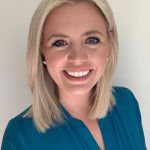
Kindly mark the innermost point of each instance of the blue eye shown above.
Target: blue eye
(59, 43)
(93, 40)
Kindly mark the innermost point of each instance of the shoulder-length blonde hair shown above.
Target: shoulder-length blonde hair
(45, 106)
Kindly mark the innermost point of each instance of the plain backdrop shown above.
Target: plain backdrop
(133, 70)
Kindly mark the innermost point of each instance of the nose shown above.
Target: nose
(77, 54)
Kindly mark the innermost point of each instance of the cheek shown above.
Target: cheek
(54, 62)
(100, 62)
(100, 65)
(100, 57)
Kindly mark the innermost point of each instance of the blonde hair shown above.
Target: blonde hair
(45, 106)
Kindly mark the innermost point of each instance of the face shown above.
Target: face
(76, 46)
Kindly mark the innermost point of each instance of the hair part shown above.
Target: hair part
(45, 109)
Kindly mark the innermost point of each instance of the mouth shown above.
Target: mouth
(78, 76)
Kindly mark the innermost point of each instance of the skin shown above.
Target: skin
(74, 26)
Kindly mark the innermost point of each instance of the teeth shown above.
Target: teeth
(78, 74)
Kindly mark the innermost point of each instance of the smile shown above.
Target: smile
(78, 74)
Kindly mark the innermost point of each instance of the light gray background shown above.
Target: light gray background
(133, 71)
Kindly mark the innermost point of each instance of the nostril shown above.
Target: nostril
(77, 54)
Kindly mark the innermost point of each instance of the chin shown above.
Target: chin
(79, 90)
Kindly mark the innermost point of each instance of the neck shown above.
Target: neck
(77, 105)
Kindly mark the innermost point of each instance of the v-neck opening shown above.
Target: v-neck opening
(92, 137)
(80, 122)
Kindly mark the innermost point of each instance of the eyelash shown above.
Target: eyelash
(95, 39)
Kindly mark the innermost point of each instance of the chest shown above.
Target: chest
(117, 134)
(96, 133)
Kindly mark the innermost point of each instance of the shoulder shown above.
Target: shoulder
(17, 128)
(122, 91)
(128, 110)
(20, 120)
(126, 101)
(127, 104)
(124, 97)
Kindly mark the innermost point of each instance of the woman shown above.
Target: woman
(72, 55)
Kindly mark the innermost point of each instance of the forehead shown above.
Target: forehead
(78, 16)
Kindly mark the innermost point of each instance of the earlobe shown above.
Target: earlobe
(44, 62)
(43, 59)
(42, 54)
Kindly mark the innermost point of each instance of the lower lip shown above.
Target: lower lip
(79, 79)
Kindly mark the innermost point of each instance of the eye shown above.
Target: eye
(59, 43)
(92, 40)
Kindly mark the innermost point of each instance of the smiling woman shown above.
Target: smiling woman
(72, 55)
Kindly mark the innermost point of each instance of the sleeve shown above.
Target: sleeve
(7, 141)
(139, 118)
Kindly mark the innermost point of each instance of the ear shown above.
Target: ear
(110, 40)
(42, 53)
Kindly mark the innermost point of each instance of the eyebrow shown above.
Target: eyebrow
(65, 36)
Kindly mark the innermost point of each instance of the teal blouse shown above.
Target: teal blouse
(121, 130)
